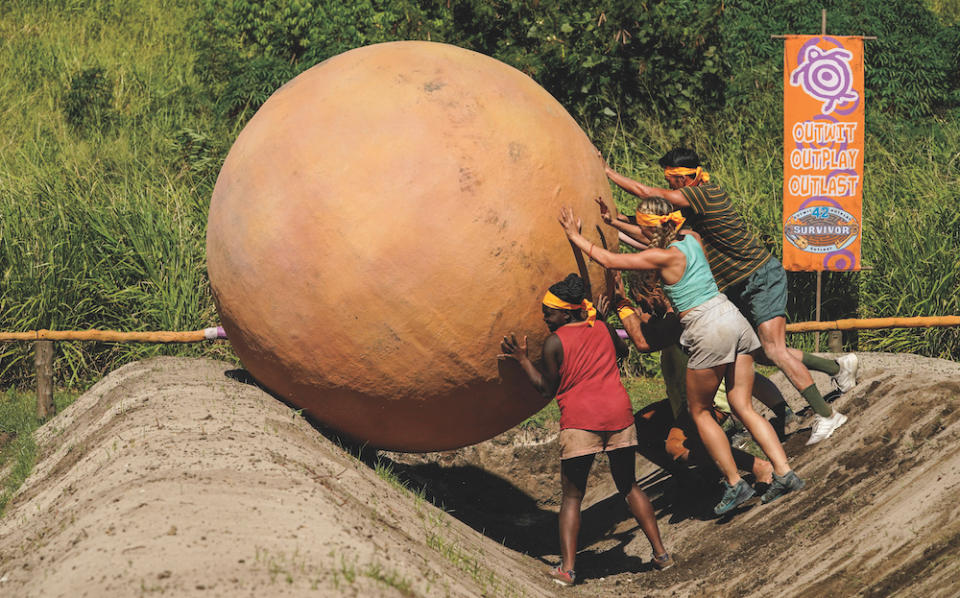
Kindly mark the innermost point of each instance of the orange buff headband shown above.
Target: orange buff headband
(551, 300)
(656, 220)
(681, 171)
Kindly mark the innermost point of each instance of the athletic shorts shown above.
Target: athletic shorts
(576, 443)
(761, 296)
(715, 332)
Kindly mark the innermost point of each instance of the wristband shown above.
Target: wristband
(625, 312)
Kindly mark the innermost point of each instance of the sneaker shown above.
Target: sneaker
(662, 562)
(740, 440)
(823, 427)
(733, 496)
(780, 486)
(564, 578)
(846, 378)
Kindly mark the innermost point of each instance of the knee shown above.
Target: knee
(624, 488)
(777, 353)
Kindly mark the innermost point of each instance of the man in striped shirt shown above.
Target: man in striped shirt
(747, 273)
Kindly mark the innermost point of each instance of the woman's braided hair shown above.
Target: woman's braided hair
(570, 289)
(667, 232)
(643, 283)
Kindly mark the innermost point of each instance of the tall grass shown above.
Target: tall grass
(18, 450)
(107, 162)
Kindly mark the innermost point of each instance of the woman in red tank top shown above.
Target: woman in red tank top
(579, 367)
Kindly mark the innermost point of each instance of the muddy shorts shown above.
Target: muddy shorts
(715, 332)
(762, 295)
(576, 443)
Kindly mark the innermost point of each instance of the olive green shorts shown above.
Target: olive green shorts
(762, 295)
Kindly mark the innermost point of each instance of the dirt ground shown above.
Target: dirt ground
(180, 477)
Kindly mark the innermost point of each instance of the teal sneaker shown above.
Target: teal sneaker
(662, 562)
(734, 496)
(780, 486)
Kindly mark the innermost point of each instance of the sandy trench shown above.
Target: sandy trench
(172, 476)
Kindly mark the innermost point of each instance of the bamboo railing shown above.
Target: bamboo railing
(44, 341)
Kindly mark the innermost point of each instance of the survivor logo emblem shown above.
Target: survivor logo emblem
(821, 229)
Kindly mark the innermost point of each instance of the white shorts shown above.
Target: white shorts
(715, 332)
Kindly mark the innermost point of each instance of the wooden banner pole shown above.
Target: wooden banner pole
(816, 335)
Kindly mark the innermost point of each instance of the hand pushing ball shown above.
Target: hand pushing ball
(382, 222)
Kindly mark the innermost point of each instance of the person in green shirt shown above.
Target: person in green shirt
(746, 273)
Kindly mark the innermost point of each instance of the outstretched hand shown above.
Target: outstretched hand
(569, 221)
(512, 348)
(603, 307)
(605, 214)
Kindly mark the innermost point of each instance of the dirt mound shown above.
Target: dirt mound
(170, 476)
(878, 517)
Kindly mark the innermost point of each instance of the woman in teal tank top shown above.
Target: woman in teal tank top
(717, 337)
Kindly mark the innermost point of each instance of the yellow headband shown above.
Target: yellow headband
(551, 300)
(681, 171)
(657, 220)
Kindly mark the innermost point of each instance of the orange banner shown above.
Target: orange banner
(823, 131)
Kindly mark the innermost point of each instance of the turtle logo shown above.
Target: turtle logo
(821, 229)
(826, 76)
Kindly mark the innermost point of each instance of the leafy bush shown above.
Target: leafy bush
(248, 48)
(910, 69)
(610, 64)
(618, 59)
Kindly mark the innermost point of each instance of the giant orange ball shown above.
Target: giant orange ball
(379, 225)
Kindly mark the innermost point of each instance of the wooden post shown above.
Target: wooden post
(43, 361)
(816, 335)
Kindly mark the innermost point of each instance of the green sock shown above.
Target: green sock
(827, 366)
(812, 396)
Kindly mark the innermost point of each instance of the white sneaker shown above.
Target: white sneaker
(823, 427)
(846, 378)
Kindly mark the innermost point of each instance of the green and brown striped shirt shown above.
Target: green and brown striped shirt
(732, 250)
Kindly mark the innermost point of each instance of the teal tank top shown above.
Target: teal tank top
(697, 284)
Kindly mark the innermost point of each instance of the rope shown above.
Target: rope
(217, 332)
(192, 336)
(872, 323)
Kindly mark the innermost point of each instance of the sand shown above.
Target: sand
(178, 477)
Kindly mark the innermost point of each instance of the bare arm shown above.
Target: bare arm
(648, 259)
(628, 240)
(603, 309)
(547, 380)
(634, 233)
(650, 332)
(675, 197)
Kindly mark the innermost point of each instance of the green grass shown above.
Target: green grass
(108, 159)
(18, 451)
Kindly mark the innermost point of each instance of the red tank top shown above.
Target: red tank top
(591, 396)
